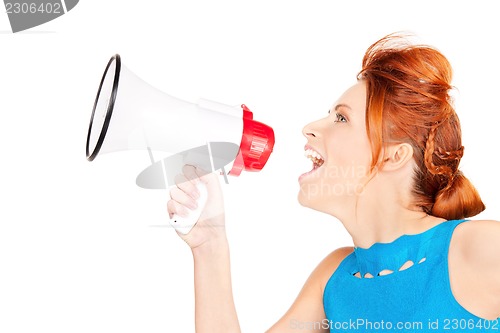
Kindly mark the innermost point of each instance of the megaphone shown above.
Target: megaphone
(130, 114)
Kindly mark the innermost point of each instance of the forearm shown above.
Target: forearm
(214, 304)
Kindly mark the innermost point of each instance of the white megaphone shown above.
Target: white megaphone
(130, 114)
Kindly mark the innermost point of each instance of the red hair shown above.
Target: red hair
(408, 101)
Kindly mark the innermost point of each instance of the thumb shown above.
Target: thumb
(210, 180)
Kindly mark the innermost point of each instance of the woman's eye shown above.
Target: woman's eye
(340, 118)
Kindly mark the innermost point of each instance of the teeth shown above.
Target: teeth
(314, 156)
(311, 153)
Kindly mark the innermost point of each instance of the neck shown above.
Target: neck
(382, 219)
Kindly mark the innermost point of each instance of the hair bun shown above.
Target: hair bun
(458, 200)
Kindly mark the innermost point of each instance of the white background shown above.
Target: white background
(78, 248)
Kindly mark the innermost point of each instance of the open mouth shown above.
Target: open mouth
(315, 157)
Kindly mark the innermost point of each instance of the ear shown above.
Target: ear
(397, 156)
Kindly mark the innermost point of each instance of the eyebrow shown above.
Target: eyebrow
(341, 105)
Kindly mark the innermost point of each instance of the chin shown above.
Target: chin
(321, 204)
(310, 202)
(302, 201)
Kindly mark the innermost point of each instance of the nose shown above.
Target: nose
(311, 130)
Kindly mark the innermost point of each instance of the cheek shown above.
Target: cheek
(349, 161)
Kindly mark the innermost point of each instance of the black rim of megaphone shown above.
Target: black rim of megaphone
(109, 111)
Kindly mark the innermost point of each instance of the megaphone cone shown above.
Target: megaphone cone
(129, 114)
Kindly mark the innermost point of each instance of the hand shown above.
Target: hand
(210, 226)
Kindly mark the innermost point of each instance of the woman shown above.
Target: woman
(385, 163)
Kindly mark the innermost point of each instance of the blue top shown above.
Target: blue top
(417, 299)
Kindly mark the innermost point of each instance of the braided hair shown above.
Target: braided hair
(408, 101)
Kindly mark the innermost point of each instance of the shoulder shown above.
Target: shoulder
(477, 241)
(329, 265)
(308, 306)
(474, 266)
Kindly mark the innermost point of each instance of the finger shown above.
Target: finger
(181, 197)
(190, 173)
(175, 208)
(201, 172)
(187, 186)
(205, 176)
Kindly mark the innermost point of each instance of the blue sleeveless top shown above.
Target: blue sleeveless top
(417, 299)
